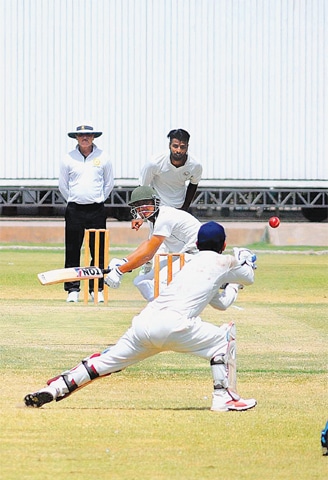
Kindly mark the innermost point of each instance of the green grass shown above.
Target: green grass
(287, 248)
(152, 421)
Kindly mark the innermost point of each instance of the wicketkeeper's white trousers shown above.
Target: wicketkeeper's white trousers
(153, 332)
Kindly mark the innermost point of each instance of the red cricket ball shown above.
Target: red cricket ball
(274, 222)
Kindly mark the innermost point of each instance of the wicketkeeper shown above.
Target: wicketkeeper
(171, 322)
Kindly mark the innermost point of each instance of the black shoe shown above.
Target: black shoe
(38, 399)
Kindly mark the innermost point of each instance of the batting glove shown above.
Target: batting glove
(116, 262)
(243, 255)
(113, 279)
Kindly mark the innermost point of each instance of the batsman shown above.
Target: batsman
(171, 322)
(172, 230)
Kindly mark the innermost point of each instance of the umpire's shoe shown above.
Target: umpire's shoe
(38, 399)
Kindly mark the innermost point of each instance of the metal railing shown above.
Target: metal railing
(238, 198)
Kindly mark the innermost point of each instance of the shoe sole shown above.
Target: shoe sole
(234, 408)
(241, 408)
(38, 399)
(223, 409)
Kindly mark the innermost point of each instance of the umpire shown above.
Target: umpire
(85, 181)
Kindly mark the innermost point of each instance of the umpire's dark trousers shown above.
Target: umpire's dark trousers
(78, 218)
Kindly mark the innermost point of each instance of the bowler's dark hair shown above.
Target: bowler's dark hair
(179, 134)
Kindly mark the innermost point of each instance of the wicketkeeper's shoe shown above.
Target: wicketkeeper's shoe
(38, 399)
(100, 296)
(73, 297)
(225, 400)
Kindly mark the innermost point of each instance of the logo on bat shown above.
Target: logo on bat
(87, 271)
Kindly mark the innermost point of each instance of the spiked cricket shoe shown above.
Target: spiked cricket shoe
(38, 399)
(226, 401)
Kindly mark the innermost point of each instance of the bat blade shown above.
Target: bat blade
(70, 275)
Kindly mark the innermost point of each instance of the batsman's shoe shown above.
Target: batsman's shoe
(100, 296)
(38, 399)
(225, 400)
(73, 297)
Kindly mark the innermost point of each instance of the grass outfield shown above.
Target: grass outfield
(152, 421)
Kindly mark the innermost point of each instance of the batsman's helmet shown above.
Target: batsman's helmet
(140, 194)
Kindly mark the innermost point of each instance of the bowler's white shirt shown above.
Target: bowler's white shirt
(86, 180)
(170, 181)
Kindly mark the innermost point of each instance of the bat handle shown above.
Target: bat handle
(106, 270)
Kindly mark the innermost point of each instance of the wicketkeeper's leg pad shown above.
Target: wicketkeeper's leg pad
(231, 357)
(223, 367)
(76, 378)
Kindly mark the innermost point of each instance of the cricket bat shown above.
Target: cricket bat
(71, 274)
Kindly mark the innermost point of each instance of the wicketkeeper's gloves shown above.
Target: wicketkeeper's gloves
(243, 255)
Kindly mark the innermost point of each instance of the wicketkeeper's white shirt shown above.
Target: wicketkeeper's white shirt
(198, 284)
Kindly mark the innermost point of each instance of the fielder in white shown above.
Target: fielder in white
(175, 176)
(175, 229)
(172, 322)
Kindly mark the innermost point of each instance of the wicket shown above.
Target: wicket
(87, 236)
(170, 257)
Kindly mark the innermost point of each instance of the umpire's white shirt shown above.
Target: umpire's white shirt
(169, 181)
(86, 180)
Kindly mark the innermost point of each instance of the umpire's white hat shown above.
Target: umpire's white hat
(84, 128)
